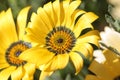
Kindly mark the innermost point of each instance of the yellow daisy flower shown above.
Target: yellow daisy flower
(61, 31)
(12, 45)
(106, 71)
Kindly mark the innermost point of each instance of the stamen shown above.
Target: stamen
(18, 53)
(60, 40)
(14, 51)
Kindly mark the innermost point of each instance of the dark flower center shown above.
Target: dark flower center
(14, 51)
(60, 40)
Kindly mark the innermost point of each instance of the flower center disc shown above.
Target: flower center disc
(60, 40)
(14, 51)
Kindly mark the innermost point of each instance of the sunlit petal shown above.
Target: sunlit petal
(17, 74)
(69, 11)
(58, 62)
(44, 18)
(22, 22)
(7, 30)
(44, 74)
(29, 71)
(37, 55)
(85, 49)
(84, 22)
(77, 61)
(89, 37)
(5, 74)
(32, 36)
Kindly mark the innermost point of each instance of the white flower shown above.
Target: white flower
(111, 38)
(99, 57)
(115, 10)
(114, 2)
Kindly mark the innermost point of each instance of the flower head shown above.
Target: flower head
(62, 33)
(12, 45)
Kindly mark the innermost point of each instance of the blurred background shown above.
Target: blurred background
(99, 7)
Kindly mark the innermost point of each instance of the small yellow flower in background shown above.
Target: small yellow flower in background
(61, 32)
(12, 45)
(109, 70)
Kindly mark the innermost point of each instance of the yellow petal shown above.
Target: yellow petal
(85, 48)
(84, 22)
(44, 74)
(2, 13)
(58, 62)
(2, 50)
(21, 22)
(8, 33)
(56, 10)
(34, 35)
(37, 55)
(50, 13)
(5, 74)
(89, 37)
(38, 24)
(29, 71)
(90, 50)
(3, 58)
(63, 10)
(4, 65)
(69, 11)
(90, 17)
(77, 61)
(74, 17)
(17, 74)
(3, 62)
(29, 68)
(26, 77)
(58, 13)
(44, 18)
(62, 60)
